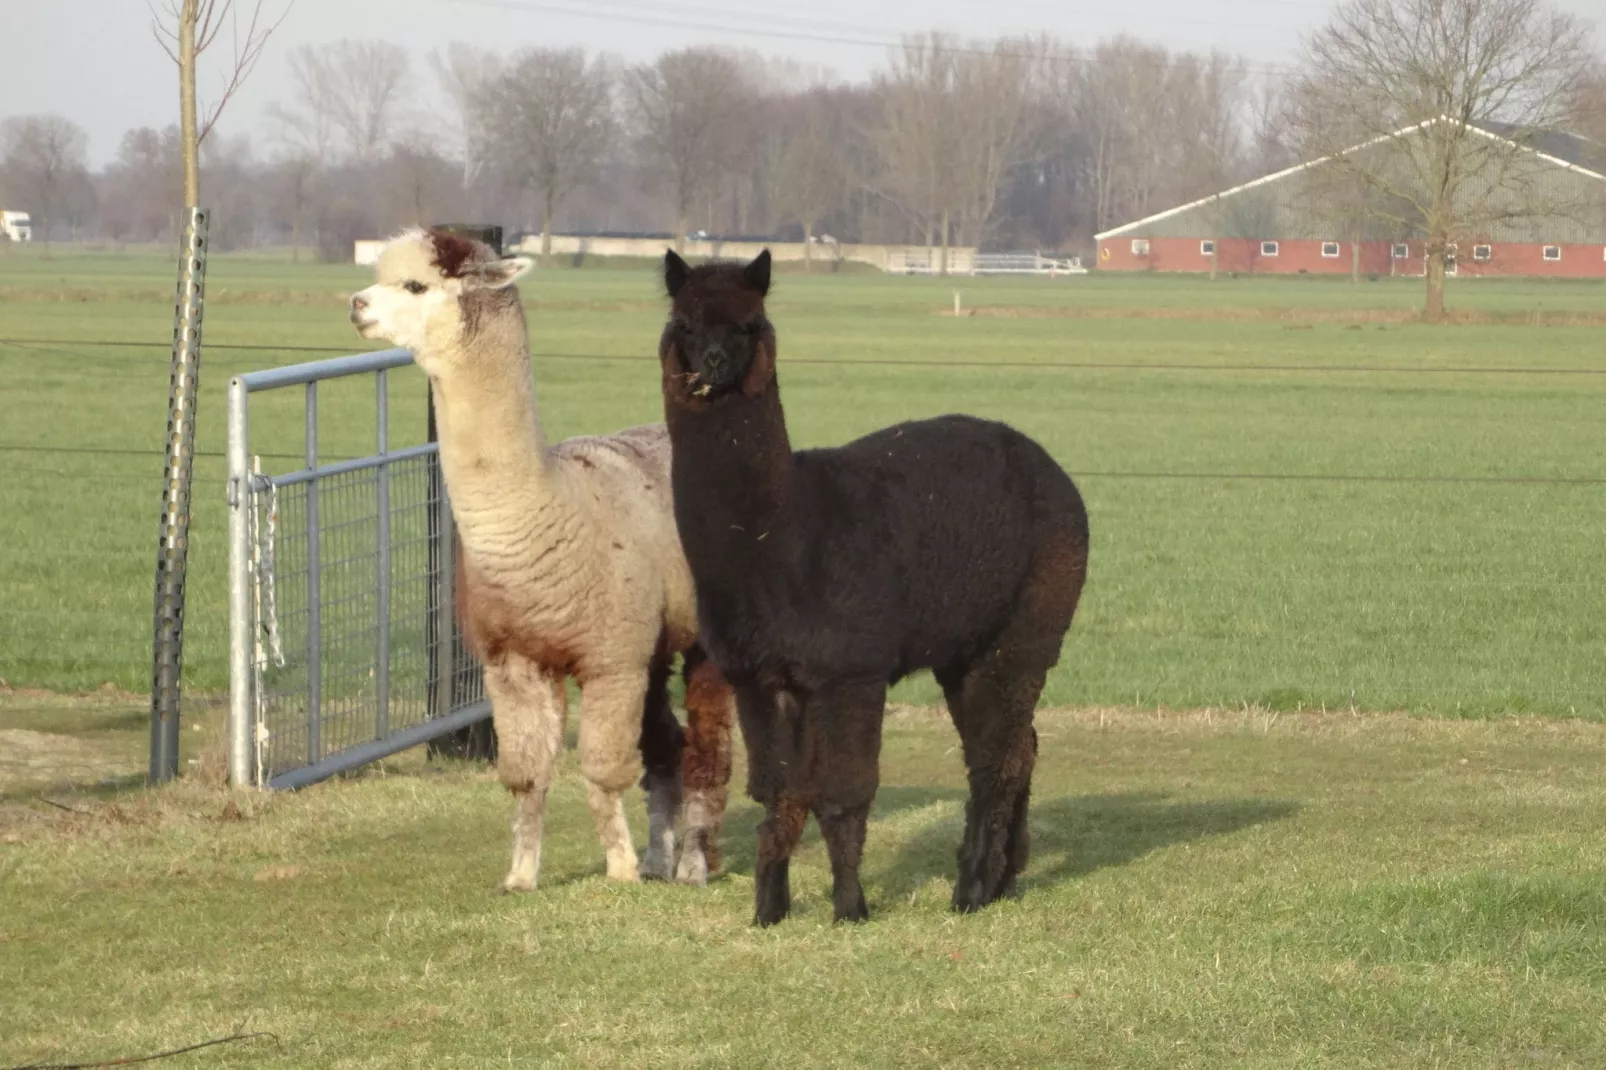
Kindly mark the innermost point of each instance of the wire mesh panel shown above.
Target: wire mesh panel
(345, 600)
(344, 645)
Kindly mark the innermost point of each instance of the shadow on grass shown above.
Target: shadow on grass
(1072, 835)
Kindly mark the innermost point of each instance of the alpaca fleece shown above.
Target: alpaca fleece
(953, 544)
(570, 566)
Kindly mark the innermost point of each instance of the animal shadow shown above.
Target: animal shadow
(1072, 835)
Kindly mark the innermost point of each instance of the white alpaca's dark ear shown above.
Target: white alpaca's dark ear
(757, 273)
(675, 272)
(496, 274)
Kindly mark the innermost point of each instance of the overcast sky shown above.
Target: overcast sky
(95, 62)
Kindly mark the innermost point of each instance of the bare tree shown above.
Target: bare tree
(462, 72)
(916, 140)
(41, 156)
(550, 114)
(1588, 105)
(141, 179)
(1425, 85)
(348, 97)
(689, 107)
(188, 28)
(812, 173)
(992, 115)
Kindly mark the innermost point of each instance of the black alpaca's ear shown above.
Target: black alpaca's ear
(675, 272)
(757, 273)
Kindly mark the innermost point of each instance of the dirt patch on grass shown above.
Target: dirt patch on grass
(1292, 316)
(49, 758)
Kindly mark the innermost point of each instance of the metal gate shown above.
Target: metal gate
(343, 643)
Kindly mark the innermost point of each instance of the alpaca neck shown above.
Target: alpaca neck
(491, 448)
(737, 484)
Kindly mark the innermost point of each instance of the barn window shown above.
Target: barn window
(1482, 253)
(1207, 248)
(1401, 250)
(1552, 252)
(1330, 249)
(1140, 246)
(1268, 248)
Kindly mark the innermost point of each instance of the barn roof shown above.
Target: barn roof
(1566, 152)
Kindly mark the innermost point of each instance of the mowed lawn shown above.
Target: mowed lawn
(1227, 889)
(1314, 523)
(1299, 499)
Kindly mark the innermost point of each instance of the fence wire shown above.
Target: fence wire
(75, 572)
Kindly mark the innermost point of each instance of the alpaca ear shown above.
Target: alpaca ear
(757, 273)
(497, 274)
(675, 272)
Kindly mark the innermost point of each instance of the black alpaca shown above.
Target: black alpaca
(953, 544)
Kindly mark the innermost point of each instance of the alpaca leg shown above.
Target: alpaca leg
(706, 765)
(992, 706)
(610, 760)
(771, 731)
(844, 722)
(661, 744)
(778, 834)
(527, 707)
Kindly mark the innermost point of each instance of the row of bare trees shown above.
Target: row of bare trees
(1019, 142)
(1015, 141)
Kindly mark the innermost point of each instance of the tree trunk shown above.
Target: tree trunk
(1355, 261)
(188, 130)
(808, 249)
(546, 233)
(945, 242)
(680, 233)
(1215, 258)
(1434, 312)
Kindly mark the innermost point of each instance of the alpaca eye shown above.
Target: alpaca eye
(414, 287)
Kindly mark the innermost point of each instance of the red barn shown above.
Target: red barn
(1296, 221)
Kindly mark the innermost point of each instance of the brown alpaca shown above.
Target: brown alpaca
(571, 567)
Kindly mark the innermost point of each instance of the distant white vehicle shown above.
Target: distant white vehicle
(16, 226)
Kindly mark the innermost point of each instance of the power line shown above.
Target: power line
(826, 33)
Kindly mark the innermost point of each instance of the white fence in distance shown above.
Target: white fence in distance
(965, 262)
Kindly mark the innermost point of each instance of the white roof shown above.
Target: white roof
(1168, 213)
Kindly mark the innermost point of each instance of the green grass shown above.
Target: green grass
(1207, 890)
(1321, 580)
(1232, 887)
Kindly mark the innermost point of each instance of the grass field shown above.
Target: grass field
(1270, 524)
(1239, 889)
(1301, 501)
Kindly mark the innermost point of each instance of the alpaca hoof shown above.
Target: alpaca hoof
(656, 866)
(764, 918)
(512, 884)
(693, 867)
(968, 900)
(858, 912)
(623, 870)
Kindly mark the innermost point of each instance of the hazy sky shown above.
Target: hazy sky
(95, 62)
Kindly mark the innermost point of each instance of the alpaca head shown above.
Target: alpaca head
(718, 338)
(434, 291)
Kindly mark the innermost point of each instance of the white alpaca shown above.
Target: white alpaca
(570, 566)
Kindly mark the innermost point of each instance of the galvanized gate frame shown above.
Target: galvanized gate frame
(244, 485)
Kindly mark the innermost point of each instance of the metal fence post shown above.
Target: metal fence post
(447, 658)
(172, 554)
(314, 590)
(382, 557)
(240, 583)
